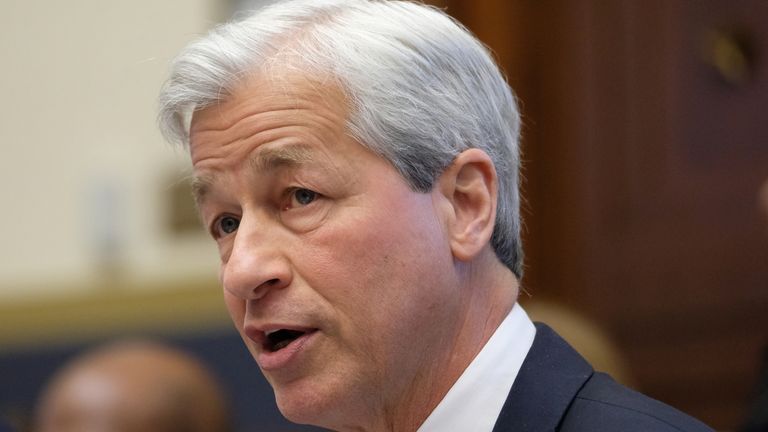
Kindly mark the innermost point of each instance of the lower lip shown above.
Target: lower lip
(269, 361)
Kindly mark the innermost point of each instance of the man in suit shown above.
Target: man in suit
(356, 163)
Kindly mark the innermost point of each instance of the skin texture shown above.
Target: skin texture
(399, 289)
(132, 387)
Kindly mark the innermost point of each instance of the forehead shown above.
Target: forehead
(270, 126)
(269, 95)
(266, 108)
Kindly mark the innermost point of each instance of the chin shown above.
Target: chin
(313, 406)
(303, 406)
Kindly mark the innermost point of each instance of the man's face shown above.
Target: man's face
(339, 277)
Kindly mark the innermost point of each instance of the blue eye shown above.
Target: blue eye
(304, 196)
(227, 224)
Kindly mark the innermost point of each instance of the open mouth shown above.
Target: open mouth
(279, 339)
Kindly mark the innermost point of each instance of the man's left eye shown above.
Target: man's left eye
(303, 197)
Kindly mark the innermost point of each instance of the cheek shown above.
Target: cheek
(236, 309)
(385, 263)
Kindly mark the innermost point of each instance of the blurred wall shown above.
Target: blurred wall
(85, 173)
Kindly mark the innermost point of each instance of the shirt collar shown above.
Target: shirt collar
(476, 398)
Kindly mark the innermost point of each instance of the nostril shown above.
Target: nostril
(266, 286)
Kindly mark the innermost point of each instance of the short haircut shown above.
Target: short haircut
(421, 89)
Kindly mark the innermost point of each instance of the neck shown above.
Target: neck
(489, 291)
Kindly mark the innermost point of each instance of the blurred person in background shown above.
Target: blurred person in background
(133, 386)
(356, 163)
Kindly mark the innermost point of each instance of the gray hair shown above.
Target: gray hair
(421, 88)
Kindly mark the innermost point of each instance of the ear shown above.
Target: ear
(470, 186)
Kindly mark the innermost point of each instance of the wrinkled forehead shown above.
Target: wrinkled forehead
(283, 89)
(272, 128)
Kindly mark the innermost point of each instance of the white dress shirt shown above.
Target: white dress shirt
(476, 398)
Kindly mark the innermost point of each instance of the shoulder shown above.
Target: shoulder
(603, 404)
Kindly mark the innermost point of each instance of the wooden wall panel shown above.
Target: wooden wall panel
(642, 168)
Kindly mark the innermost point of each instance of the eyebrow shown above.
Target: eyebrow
(200, 186)
(271, 159)
(267, 160)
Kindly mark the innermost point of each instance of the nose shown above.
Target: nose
(257, 263)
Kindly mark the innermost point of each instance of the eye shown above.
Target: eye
(302, 197)
(225, 225)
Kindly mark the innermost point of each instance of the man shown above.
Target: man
(357, 164)
(132, 386)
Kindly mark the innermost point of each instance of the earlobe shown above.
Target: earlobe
(470, 185)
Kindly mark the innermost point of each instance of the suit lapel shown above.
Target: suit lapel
(549, 379)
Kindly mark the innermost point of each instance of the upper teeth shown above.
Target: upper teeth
(269, 332)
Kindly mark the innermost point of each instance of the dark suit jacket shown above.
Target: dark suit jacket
(557, 390)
